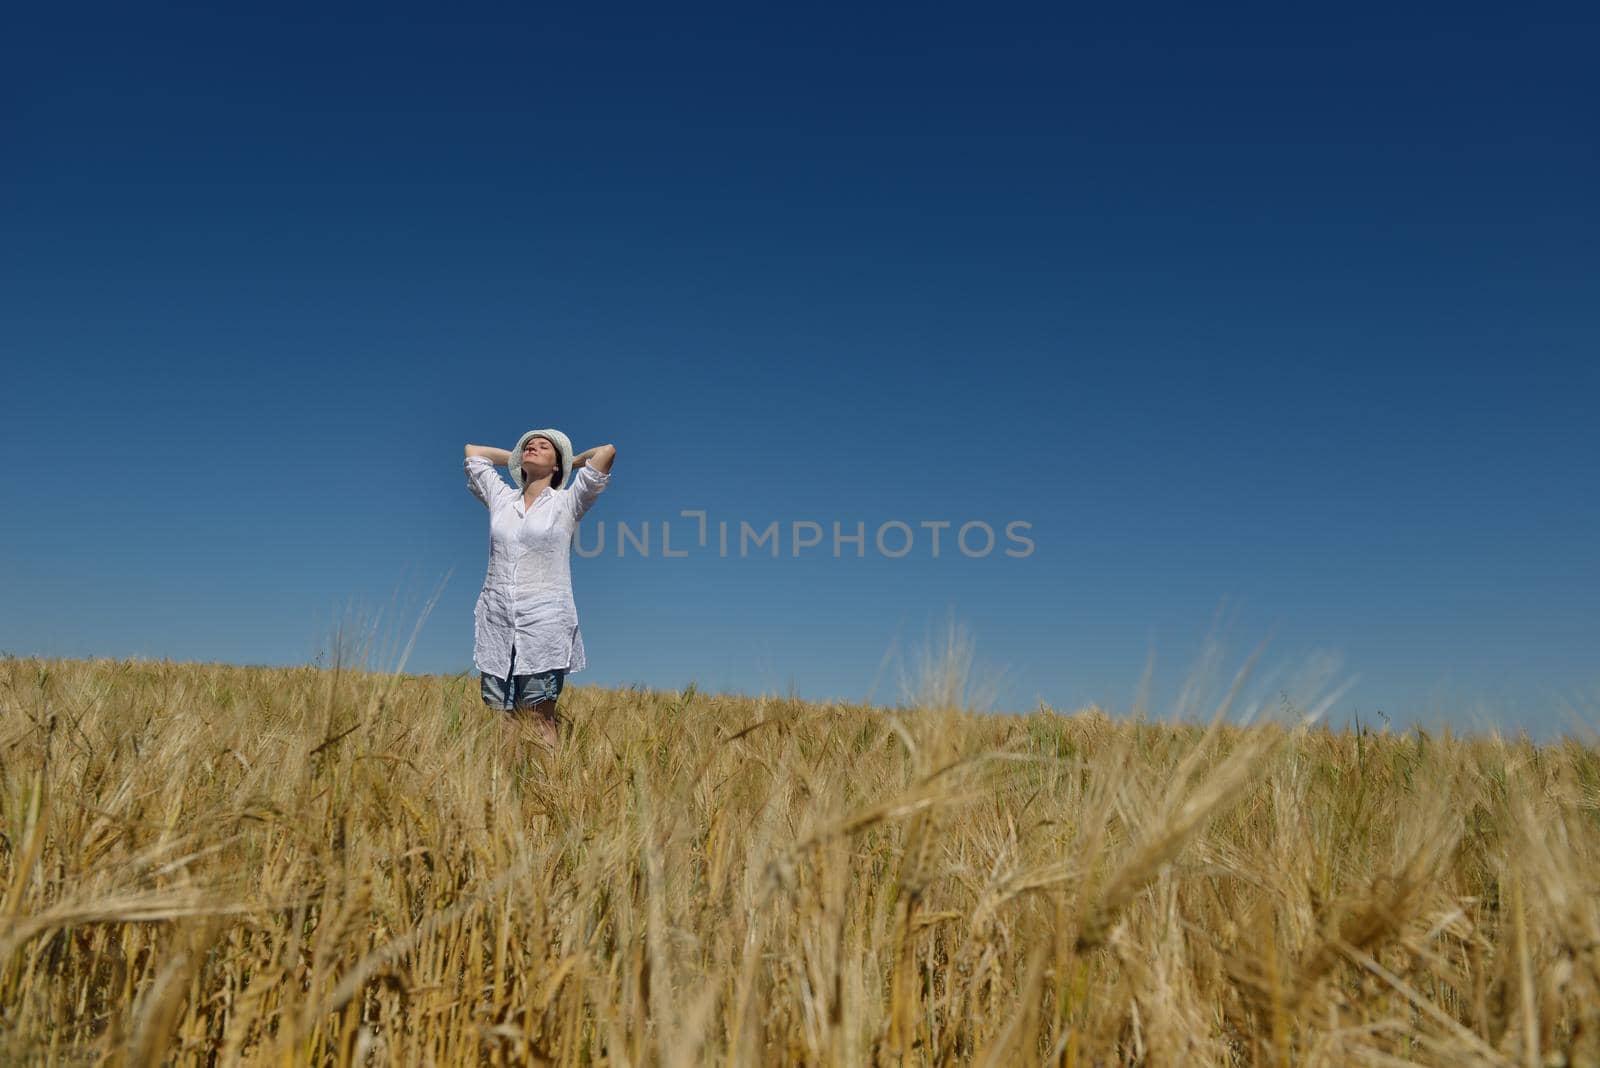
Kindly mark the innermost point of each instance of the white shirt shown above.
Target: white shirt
(526, 602)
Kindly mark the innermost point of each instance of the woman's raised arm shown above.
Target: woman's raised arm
(498, 457)
(599, 458)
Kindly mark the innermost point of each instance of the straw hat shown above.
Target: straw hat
(563, 447)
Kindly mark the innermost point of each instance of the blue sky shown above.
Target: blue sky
(1274, 324)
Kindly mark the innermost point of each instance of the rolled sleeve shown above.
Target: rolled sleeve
(587, 484)
(484, 482)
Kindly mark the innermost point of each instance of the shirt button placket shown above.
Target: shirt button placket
(511, 596)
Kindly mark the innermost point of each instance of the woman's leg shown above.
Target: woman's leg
(545, 723)
(536, 704)
(506, 696)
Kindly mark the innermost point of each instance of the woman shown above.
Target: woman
(525, 634)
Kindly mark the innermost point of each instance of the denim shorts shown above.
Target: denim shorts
(521, 691)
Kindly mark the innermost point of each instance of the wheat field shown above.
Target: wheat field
(224, 865)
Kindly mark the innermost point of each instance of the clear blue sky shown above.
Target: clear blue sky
(1289, 314)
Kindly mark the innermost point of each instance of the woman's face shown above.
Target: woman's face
(538, 457)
